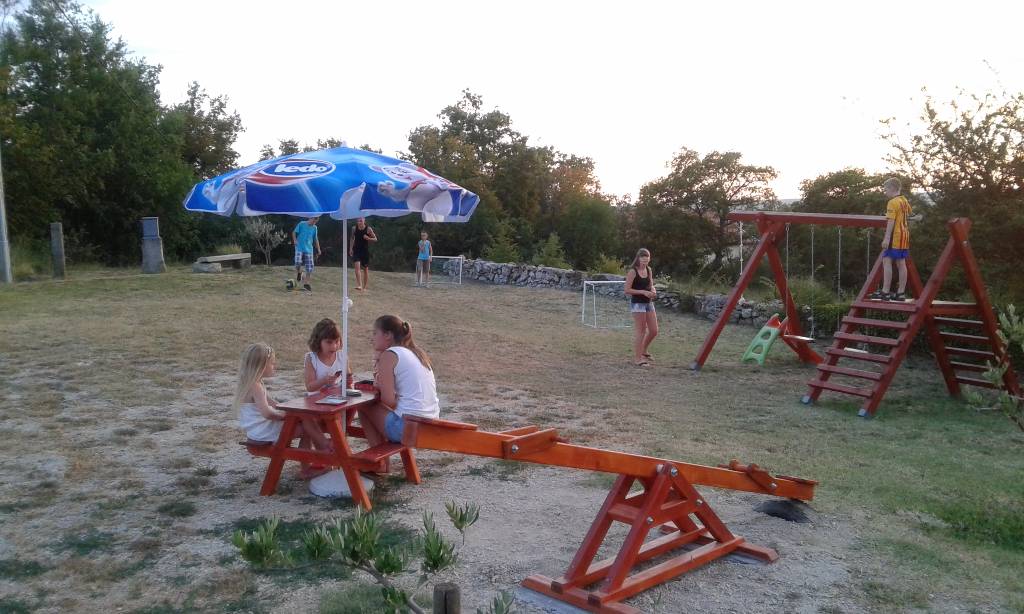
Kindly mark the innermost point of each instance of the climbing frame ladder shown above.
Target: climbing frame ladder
(895, 329)
(690, 533)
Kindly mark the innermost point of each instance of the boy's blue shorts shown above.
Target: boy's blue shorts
(896, 254)
(393, 427)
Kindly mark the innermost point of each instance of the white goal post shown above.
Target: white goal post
(445, 270)
(603, 305)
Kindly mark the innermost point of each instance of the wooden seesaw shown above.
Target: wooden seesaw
(667, 502)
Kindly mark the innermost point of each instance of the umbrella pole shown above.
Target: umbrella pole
(344, 300)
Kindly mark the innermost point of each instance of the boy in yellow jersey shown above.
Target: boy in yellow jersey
(896, 242)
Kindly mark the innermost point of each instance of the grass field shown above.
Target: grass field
(123, 481)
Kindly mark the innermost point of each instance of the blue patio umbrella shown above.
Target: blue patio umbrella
(343, 183)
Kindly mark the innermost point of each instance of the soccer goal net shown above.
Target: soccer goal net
(604, 305)
(444, 270)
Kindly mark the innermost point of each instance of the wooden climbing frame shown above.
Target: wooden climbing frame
(895, 330)
(971, 326)
(691, 534)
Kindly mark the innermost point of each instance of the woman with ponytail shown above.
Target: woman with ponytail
(405, 379)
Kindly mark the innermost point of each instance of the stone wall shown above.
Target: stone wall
(527, 275)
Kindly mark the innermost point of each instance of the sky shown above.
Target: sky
(799, 86)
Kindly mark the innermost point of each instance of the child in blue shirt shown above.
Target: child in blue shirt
(423, 258)
(305, 240)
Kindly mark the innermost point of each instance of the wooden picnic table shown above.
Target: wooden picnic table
(336, 421)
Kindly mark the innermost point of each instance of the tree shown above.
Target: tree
(588, 229)
(84, 136)
(523, 187)
(209, 132)
(288, 147)
(1011, 333)
(695, 198)
(455, 150)
(571, 178)
(502, 248)
(969, 159)
(550, 253)
(850, 191)
(264, 235)
(490, 134)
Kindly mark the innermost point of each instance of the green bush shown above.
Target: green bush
(550, 253)
(807, 292)
(504, 250)
(224, 249)
(79, 250)
(389, 259)
(828, 316)
(609, 265)
(503, 247)
(29, 260)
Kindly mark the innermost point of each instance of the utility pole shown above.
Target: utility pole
(5, 246)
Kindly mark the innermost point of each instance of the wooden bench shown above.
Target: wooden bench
(238, 261)
(374, 455)
(257, 448)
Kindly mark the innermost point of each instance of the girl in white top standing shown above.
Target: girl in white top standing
(405, 379)
(322, 366)
(257, 413)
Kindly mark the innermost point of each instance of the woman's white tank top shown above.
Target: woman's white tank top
(414, 385)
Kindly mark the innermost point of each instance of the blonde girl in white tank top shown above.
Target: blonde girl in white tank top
(257, 413)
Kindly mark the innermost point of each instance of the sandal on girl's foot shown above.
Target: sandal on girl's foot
(878, 295)
(898, 297)
(642, 363)
(648, 358)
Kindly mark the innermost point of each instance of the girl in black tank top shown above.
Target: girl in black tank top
(641, 291)
(640, 283)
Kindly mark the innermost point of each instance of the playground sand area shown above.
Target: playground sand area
(123, 479)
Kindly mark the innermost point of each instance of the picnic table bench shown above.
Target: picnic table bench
(207, 264)
(335, 420)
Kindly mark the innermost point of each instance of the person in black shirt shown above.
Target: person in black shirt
(359, 251)
(641, 292)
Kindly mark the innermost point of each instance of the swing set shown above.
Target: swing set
(860, 336)
(791, 336)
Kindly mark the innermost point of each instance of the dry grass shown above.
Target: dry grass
(116, 387)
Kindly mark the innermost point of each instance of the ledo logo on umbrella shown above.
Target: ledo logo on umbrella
(290, 171)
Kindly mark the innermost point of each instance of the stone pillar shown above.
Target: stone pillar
(57, 249)
(152, 246)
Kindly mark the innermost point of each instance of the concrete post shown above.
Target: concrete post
(152, 246)
(57, 249)
(5, 246)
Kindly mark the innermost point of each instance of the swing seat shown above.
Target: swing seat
(799, 344)
(798, 338)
